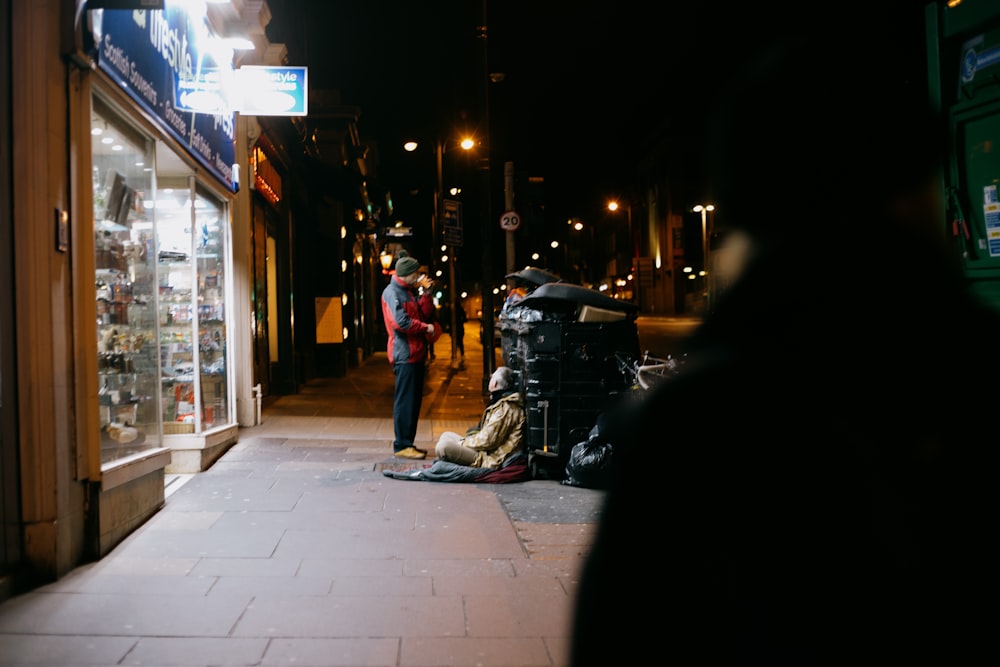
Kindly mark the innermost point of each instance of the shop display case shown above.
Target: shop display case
(161, 260)
(191, 273)
(125, 283)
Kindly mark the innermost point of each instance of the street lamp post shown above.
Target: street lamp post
(440, 148)
(489, 360)
(633, 250)
(438, 217)
(704, 209)
(466, 144)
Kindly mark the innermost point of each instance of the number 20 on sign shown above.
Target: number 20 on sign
(510, 221)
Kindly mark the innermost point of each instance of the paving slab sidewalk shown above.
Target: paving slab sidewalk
(293, 548)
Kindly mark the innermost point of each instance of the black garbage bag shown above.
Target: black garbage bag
(590, 461)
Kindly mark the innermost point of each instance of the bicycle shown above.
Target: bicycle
(654, 370)
(647, 372)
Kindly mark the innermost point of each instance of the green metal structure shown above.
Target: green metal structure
(963, 54)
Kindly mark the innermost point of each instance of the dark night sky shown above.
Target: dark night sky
(587, 85)
(575, 80)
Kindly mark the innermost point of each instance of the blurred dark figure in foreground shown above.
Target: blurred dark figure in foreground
(824, 484)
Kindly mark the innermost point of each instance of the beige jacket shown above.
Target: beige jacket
(502, 433)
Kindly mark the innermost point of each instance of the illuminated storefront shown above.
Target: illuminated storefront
(163, 179)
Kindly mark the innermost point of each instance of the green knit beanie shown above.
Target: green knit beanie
(406, 265)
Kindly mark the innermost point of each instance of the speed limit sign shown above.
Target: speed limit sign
(510, 221)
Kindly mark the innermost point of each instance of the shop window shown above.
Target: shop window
(162, 269)
(125, 261)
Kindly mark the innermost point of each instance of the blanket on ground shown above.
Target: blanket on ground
(514, 469)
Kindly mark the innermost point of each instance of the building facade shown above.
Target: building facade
(140, 230)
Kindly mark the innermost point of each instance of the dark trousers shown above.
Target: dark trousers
(406, 406)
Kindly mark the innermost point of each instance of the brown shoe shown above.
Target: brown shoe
(410, 453)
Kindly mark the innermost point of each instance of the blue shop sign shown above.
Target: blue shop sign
(273, 91)
(167, 61)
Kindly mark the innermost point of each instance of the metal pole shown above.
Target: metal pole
(452, 302)
(704, 239)
(438, 202)
(634, 259)
(508, 192)
(487, 287)
(633, 241)
(439, 215)
(704, 254)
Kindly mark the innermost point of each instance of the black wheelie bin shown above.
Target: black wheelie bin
(562, 342)
(520, 284)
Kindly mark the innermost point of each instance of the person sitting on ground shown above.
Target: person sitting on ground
(500, 432)
(492, 452)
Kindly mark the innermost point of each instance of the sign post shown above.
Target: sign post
(453, 237)
(510, 220)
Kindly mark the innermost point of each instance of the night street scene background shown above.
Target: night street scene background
(579, 98)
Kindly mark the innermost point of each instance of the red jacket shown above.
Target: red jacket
(406, 318)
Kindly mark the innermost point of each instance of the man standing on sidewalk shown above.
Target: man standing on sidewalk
(407, 318)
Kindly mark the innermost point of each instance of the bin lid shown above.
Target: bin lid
(555, 296)
(535, 276)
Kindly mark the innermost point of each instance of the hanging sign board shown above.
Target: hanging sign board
(272, 91)
(452, 223)
(163, 59)
(124, 4)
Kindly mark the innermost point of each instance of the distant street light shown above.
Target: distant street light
(633, 249)
(704, 209)
(386, 260)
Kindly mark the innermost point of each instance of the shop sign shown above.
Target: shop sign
(266, 179)
(272, 91)
(452, 223)
(124, 4)
(168, 62)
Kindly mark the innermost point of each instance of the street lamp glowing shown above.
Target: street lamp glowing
(704, 209)
(633, 243)
(386, 260)
(440, 148)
